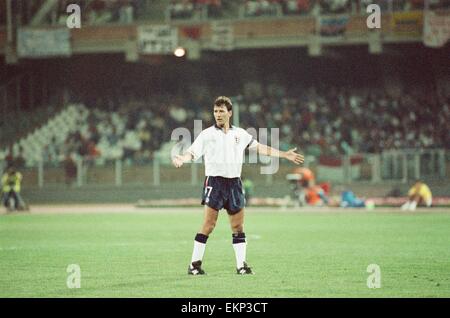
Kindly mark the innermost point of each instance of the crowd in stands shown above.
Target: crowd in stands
(271, 7)
(332, 120)
(180, 9)
(100, 11)
(126, 11)
(186, 9)
(183, 9)
(92, 12)
(319, 120)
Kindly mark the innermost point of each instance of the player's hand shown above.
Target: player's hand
(296, 158)
(178, 161)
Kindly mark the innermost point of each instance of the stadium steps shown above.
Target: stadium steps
(53, 125)
(16, 126)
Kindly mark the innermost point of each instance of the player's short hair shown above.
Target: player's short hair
(223, 100)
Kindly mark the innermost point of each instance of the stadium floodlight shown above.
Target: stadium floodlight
(179, 52)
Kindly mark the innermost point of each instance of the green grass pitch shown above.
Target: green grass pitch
(293, 255)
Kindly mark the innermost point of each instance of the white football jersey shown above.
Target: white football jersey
(223, 152)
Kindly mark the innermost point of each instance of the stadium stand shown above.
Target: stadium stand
(36, 146)
(93, 12)
(321, 120)
(98, 12)
(191, 9)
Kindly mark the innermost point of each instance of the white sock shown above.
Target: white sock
(412, 205)
(199, 247)
(198, 252)
(240, 250)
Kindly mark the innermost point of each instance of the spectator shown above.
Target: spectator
(126, 13)
(19, 160)
(70, 169)
(10, 157)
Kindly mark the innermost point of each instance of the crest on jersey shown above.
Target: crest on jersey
(236, 139)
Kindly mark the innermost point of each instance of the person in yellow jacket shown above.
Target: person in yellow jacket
(419, 193)
(11, 186)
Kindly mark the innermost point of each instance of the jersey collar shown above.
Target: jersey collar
(217, 127)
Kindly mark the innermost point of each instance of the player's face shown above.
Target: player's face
(222, 115)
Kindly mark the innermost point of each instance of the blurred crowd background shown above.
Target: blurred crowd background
(130, 115)
(97, 12)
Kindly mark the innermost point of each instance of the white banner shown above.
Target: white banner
(43, 43)
(222, 37)
(157, 39)
(436, 29)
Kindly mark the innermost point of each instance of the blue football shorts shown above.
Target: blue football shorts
(227, 193)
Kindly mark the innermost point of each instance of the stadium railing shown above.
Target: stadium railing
(395, 166)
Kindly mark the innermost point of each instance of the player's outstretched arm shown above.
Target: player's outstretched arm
(290, 155)
(179, 160)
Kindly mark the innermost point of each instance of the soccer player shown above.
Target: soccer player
(419, 193)
(223, 147)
